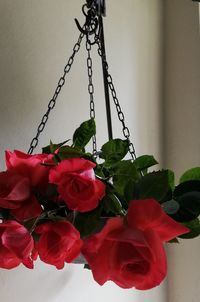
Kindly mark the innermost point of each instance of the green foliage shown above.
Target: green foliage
(125, 180)
(124, 172)
(171, 179)
(191, 174)
(84, 133)
(114, 151)
(194, 225)
(51, 148)
(144, 162)
(187, 194)
(88, 223)
(112, 204)
(66, 152)
(154, 185)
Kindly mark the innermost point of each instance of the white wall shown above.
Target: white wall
(36, 38)
(182, 140)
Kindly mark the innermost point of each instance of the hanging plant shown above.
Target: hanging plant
(112, 213)
(115, 212)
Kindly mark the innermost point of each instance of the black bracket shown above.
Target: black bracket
(101, 7)
(98, 5)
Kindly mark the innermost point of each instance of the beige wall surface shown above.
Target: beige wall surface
(36, 38)
(182, 126)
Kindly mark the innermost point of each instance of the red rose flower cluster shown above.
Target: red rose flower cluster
(128, 250)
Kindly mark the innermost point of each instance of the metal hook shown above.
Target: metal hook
(88, 28)
(91, 24)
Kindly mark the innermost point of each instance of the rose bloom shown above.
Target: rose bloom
(131, 253)
(19, 194)
(16, 245)
(59, 243)
(15, 194)
(30, 166)
(77, 184)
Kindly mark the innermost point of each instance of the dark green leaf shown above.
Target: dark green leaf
(171, 179)
(99, 172)
(187, 194)
(194, 225)
(154, 185)
(170, 207)
(144, 162)
(114, 151)
(69, 152)
(84, 133)
(131, 191)
(123, 173)
(88, 223)
(188, 186)
(192, 174)
(111, 204)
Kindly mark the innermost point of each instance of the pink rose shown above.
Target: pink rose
(77, 184)
(59, 243)
(16, 245)
(15, 194)
(131, 253)
(29, 166)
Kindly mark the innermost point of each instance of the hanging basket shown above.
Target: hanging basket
(102, 209)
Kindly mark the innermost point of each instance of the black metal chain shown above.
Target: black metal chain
(91, 27)
(91, 90)
(52, 102)
(125, 129)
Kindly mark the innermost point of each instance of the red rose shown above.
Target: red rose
(15, 194)
(14, 190)
(16, 245)
(29, 166)
(77, 184)
(59, 243)
(131, 254)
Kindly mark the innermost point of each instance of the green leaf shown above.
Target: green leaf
(170, 207)
(171, 179)
(154, 185)
(194, 225)
(144, 162)
(114, 151)
(124, 172)
(99, 172)
(88, 223)
(51, 148)
(192, 174)
(69, 152)
(84, 133)
(111, 204)
(187, 194)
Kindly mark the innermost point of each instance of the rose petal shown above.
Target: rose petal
(29, 209)
(148, 214)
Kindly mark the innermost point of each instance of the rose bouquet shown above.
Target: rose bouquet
(64, 203)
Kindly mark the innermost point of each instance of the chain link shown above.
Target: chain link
(91, 91)
(52, 102)
(121, 117)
